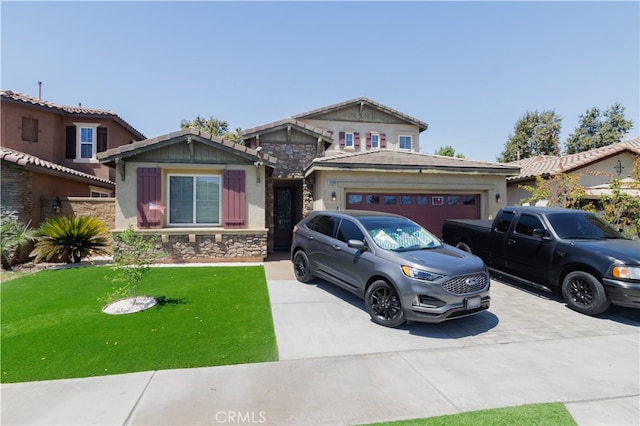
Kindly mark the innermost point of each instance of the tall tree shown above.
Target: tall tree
(536, 133)
(448, 151)
(597, 129)
(213, 126)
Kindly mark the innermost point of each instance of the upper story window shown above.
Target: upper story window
(348, 140)
(29, 129)
(375, 140)
(405, 142)
(84, 141)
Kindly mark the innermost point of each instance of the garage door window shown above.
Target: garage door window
(373, 199)
(389, 199)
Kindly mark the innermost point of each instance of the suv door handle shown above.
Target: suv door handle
(511, 241)
(336, 247)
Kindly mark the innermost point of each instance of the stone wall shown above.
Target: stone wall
(16, 194)
(180, 247)
(102, 208)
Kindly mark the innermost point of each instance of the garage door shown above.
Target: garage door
(429, 210)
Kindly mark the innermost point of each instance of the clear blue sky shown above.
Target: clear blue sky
(468, 69)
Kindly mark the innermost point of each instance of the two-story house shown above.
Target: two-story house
(49, 153)
(210, 199)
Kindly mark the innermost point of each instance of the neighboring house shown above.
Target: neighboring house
(211, 199)
(594, 169)
(49, 153)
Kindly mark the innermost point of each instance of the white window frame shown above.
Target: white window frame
(194, 219)
(346, 140)
(400, 137)
(96, 192)
(377, 139)
(79, 143)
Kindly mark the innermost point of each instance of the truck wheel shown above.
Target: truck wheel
(464, 246)
(383, 304)
(584, 293)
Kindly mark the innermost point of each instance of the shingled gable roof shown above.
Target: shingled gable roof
(286, 123)
(392, 160)
(363, 101)
(126, 151)
(31, 162)
(546, 165)
(10, 96)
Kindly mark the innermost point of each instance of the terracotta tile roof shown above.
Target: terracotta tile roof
(362, 100)
(8, 95)
(135, 148)
(384, 159)
(34, 163)
(282, 124)
(546, 165)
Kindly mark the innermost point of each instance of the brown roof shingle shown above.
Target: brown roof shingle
(546, 165)
(47, 167)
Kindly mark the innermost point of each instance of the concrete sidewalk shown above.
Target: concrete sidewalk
(337, 367)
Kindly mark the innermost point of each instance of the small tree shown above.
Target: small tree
(70, 239)
(133, 255)
(561, 190)
(14, 237)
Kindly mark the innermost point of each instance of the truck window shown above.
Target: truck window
(504, 220)
(526, 224)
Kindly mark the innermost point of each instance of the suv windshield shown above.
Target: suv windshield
(398, 234)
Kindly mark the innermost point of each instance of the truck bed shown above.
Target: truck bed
(480, 223)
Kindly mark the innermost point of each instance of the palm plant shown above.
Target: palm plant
(72, 238)
(14, 237)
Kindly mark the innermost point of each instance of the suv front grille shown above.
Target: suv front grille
(466, 284)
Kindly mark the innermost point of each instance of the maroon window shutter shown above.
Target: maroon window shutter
(356, 139)
(149, 191)
(233, 199)
(102, 139)
(368, 140)
(70, 140)
(341, 139)
(383, 140)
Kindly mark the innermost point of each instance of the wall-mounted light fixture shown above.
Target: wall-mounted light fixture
(497, 198)
(333, 196)
(57, 205)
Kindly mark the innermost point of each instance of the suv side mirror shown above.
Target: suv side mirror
(357, 244)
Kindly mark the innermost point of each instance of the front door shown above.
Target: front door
(284, 216)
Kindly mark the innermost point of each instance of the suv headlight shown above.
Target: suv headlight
(420, 274)
(628, 272)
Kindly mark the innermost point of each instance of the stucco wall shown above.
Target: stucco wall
(126, 200)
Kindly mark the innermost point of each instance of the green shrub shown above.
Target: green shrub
(70, 239)
(14, 237)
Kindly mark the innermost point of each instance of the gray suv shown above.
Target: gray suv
(401, 270)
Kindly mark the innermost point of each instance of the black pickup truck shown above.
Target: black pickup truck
(593, 264)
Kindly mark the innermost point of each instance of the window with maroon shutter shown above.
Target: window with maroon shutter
(102, 139)
(356, 139)
(149, 191)
(234, 199)
(383, 140)
(368, 140)
(70, 142)
(341, 138)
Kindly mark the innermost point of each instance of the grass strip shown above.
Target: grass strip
(53, 326)
(526, 415)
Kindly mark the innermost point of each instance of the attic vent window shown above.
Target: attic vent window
(29, 129)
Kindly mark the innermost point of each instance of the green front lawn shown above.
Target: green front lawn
(53, 327)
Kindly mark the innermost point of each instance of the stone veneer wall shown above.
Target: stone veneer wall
(15, 197)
